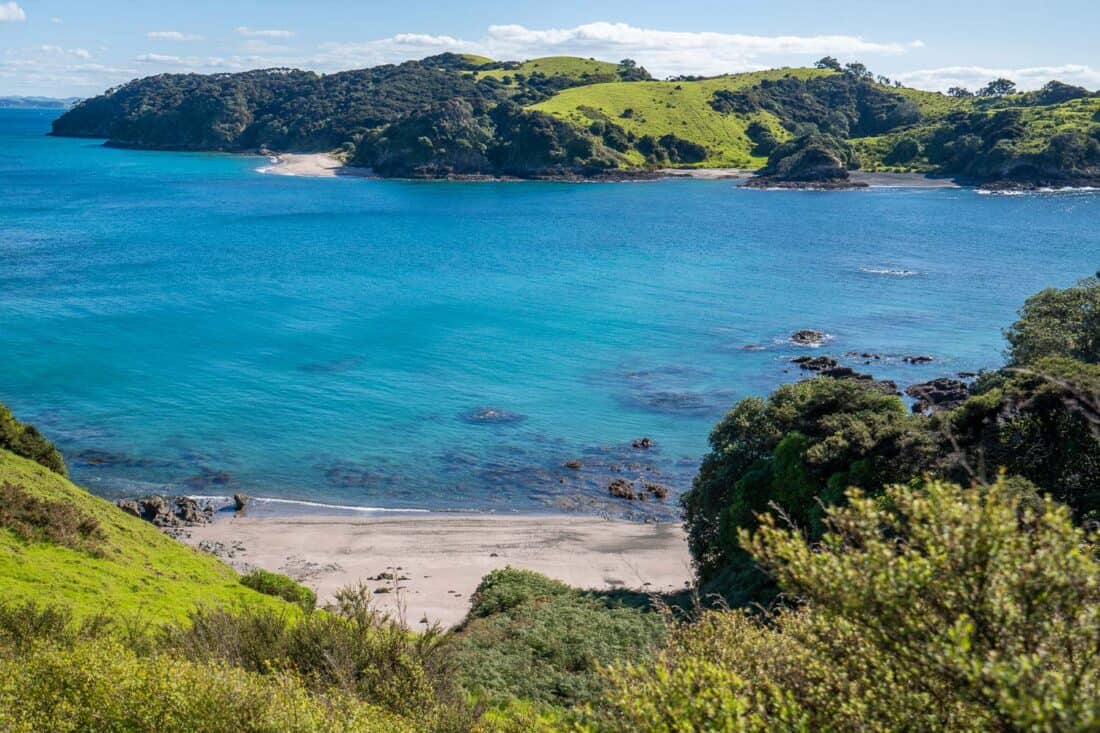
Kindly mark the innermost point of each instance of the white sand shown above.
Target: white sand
(311, 165)
(706, 174)
(444, 557)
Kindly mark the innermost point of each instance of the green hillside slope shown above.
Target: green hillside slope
(680, 108)
(571, 66)
(128, 566)
(457, 115)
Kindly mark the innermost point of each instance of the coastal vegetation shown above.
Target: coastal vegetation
(860, 566)
(456, 114)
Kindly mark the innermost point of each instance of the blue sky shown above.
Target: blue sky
(80, 47)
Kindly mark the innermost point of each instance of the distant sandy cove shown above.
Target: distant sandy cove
(439, 559)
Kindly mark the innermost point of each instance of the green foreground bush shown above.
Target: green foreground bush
(937, 609)
(103, 687)
(534, 639)
(280, 586)
(25, 440)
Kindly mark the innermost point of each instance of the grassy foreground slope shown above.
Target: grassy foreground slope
(132, 568)
(680, 108)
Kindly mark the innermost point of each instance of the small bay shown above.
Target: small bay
(182, 322)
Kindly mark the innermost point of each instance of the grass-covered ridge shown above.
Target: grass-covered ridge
(457, 115)
(134, 568)
(680, 108)
(573, 67)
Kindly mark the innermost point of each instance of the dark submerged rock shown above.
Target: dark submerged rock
(621, 488)
(808, 337)
(815, 363)
(491, 416)
(938, 394)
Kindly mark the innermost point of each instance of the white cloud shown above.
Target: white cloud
(261, 33)
(171, 36)
(159, 58)
(54, 70)
(56, 21)
(12, 13)
(1031, 77)
(195, 63)
(79, 53)
(662, 52)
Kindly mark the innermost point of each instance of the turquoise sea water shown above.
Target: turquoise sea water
(182, 322)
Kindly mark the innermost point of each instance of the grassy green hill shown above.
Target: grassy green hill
(571, 66)
(1039, 123)
(457, 115)
(121, 565)
(680, 108)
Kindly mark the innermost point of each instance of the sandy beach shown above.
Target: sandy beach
(324, 165)
(706, 174)
(439, 559)
(312, 165)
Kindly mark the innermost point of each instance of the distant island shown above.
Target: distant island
(37, 102)
(456, 115)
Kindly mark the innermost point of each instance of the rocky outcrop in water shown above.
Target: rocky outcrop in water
(491, 416)
(815, 161)
(808, 337)
(168, 512)
(815, 363)
(622, 488)
(938, 394)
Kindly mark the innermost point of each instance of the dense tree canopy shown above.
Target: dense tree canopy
(800, 449)
(1058, 323)
(934, 608)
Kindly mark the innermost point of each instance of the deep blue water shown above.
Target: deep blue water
(181, 321)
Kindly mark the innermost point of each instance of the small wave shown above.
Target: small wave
(315, 504)
(892, 272)
(1046, 190)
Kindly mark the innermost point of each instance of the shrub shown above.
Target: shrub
(533, 638)
(102, 686)
(903, 152)
(807, 442)
(25, 440)
(1042, 423)
(937, 609)
(1058, 323)
(280, 586)
(349, 646)
(39, 520)
(503, 590)
(25, 623)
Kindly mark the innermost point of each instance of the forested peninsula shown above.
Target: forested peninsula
(455, 115)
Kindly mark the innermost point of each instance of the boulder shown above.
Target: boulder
(659, 491)
(938, 394)
(168, 513)
(130, 507)
(642, 444)
(808, 337)
(240, 501)
(621, 488)
(922, 359)
(815, 363)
